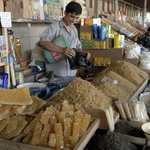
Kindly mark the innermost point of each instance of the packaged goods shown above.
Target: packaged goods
(117, 41)
(20, 96)
(102, 33)
(84, 93)
(4, 80)
(95, 31)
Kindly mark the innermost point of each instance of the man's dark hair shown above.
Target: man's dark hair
(148, 29)
(74, 7)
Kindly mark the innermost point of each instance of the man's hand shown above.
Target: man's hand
(69, 52)
(88, 55)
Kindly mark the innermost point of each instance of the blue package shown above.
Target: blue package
(3, 80)
(95, 31)
(102, 33)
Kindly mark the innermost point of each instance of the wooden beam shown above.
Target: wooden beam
(144, 12)
(116, 10)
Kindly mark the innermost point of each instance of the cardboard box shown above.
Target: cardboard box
(114, 53)
(1, 7)
(134, 61)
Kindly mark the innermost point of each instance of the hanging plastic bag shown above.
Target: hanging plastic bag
(79, 61)
(3, 80)
(95, 31)
(102, 33)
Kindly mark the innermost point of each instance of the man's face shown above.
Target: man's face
(148, 32)
(71, 18)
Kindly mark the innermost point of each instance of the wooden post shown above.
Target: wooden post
(116, 10)
(96, 11)
(124, 7)
(144, 12)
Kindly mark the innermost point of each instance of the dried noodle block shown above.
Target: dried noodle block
(52, 140)
(67, 131)
(48, 113)
(30, 108)
(40, 102)
(17, 109)
(21, 123)
(33, 123)
(36, 134)
(3, 123)
(28, 137)
(20, 96)
(4, 110)
(4, 117)
(84, 124)
(12, 125)
(45, 135)
(59, 136)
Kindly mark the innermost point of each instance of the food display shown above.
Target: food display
(83, 92)
(127, 71)
(59, 126)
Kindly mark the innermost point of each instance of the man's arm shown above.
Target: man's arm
(135, 38)
(55, 48)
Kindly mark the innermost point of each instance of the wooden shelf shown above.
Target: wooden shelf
(2, 64)
(31, 21)
(20, 20)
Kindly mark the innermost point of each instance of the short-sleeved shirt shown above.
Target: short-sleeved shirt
(145, 40)
(61, 68)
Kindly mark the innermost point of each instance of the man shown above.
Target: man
(143, 38)
(66, 27)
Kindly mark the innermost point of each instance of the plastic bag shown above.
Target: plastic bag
(132, 51)
(3, 80)
(95, 31)
(102, 33)
(79, 61)
(132, 110)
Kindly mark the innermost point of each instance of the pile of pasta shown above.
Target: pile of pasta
(101, 94)
(83, 92)
(128, 76)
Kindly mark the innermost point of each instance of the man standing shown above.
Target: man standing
(143, 38)
(64, 27)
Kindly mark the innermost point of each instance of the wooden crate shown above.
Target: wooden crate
(133, 139)
(140, 89)
(95, 113)
(11, 145)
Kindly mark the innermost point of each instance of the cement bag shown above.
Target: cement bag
(132, 51)
(53, 57)
(37, 54)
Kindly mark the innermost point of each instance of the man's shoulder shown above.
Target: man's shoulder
(55, 23)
